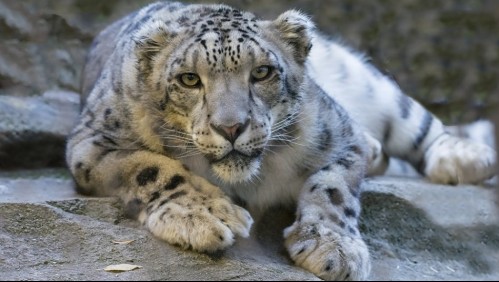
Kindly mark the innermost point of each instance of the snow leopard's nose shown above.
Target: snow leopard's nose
(232, 132)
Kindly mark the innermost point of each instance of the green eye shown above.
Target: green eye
(190, 80)
(261, 73)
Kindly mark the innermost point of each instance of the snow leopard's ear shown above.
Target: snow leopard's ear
(152, 38)
(296, 30)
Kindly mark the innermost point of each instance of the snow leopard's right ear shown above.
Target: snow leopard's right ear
(152, 38)
(296, 30)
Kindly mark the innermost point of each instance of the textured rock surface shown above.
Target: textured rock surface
(415, 230)
(33, 130)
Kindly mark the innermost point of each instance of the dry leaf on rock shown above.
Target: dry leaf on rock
(124, 242)
(121, 267)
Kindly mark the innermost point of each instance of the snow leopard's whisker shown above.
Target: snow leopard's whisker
(190, 153)
(286, 124)
(176, 138)
(183, 147)
(175, 131)
(254, 179)
(288, 120)
(286, 139)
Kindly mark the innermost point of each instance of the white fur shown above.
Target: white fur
(372, 99)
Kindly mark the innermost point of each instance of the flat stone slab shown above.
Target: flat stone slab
(415, 230)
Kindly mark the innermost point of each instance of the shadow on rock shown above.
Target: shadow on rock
(387, 219)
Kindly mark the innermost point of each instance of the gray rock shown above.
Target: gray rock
(415, 230)
(33, 130)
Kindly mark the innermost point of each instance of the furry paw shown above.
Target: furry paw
(378, 160)
(454, 160)
(198, 220)
(327, 254)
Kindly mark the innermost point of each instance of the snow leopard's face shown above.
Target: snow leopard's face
(229, 88)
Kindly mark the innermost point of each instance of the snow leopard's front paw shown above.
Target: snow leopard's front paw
(326, 253)
(455, 160)
(198, 220)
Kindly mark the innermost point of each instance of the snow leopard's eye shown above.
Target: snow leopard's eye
(189, 80)
(261, 73)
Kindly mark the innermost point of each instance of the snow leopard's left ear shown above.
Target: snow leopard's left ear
(296, 30)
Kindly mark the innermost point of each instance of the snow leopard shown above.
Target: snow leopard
(200, 117)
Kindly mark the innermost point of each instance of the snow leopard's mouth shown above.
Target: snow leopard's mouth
(236, 167)
(236, 157)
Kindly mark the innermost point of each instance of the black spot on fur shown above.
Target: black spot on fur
(347, 130)
(301, 251)
(405, 104)
(164, 102)
(175, 181)
(87, 175)
(162, 203)
(138, 23)
(325, 138)
(313, 231)
(109, 140)
(313, 188)
(329, 266)
(177, 195)
(154, 196)
(355, 149)
(98, 143)
(344, 162)
(292, 92)
(147, 175)
(424, 129)
(133, 208)
(352, 230)
(328, 167)
(350, 212)
(387, 131)
(333, 217)
(335, 196)
(149, 208)
(107, 112)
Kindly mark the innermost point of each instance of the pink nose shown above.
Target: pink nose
(231, 133)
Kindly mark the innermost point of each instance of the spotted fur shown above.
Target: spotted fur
(188, 108)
